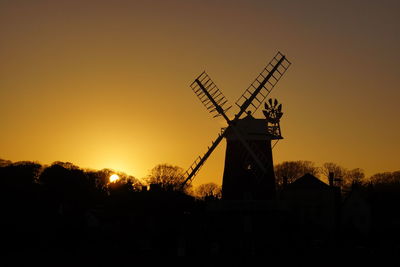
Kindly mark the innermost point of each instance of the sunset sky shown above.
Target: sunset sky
(105, 84)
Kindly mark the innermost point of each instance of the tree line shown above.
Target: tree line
(61, 207)
(63, 177)
(345, 178)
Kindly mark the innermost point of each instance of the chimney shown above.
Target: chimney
(331, 178)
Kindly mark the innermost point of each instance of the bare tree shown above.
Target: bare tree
(124, 183)
(4, 162)
(345, 177)
(338, 171)
(291, 170)
(385, 178)
(355, 176)
(167, 176)
(208, 190)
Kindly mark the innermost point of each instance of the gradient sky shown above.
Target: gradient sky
(106, 83)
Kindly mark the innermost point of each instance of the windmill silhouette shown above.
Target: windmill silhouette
(248, 171)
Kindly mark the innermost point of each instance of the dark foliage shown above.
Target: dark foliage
(62, 215)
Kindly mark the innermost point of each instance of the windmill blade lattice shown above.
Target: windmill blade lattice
(209, 94)
(258, 91)
(192, 171)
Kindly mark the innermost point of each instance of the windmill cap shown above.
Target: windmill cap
(250, 129)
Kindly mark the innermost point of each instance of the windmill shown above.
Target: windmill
(248, 170)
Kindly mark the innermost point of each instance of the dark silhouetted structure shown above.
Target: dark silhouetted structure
(313, 203)
(248, 172)
(242, 178)
(63, 215)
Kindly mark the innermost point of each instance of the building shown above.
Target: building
(314, 206)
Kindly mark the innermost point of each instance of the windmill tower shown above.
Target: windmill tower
(248, 171)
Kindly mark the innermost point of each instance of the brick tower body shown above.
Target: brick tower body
(243, 179)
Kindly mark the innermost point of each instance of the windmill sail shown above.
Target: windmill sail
(256, 93)
(192, 171)
(209, 94)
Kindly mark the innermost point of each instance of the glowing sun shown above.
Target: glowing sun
(113, 178)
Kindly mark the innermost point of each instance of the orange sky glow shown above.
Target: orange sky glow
(105, 84)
